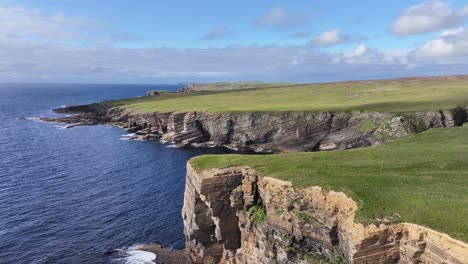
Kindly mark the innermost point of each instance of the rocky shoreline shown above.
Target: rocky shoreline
(218, 222)
(263, 132)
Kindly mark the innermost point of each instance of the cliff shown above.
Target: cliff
(236, 215)
(267, 131)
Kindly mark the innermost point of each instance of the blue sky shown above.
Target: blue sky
(169, 41)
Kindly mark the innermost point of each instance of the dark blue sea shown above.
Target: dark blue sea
(76, 195)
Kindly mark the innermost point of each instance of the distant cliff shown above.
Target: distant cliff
(267, 131)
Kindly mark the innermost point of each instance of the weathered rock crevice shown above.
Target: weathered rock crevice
(265, 220)
(279, 131)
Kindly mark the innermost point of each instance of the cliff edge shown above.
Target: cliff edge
(236, 215)
(265, 131)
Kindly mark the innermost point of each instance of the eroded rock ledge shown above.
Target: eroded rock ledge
(278, 131)
(235, 215)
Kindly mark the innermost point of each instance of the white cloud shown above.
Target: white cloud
(281, 18)
(336, 37)
(363, 55)
(437, 47)
(451, 47)
(18, 22)
(359, 51)
(452, 32)
(427, 17)
(216, 33)
(32, 23)
(329, 38)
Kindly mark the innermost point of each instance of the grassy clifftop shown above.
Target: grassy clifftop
(398, 95)
(234, 85)
(423, 177)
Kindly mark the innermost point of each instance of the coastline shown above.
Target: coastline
(263, 132)
(190, 129)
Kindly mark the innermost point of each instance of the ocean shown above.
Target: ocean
(77, 195)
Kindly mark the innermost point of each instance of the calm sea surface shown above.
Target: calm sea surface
(75, 195)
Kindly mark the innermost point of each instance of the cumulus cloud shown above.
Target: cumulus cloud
(216, 33)
(280, 18)
(32, 23)
(329, 38)
(335, 37)
(451, 47)
(428, 17)
(361, 54)
(18, 22)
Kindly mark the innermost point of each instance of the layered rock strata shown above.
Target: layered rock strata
(275, 131)
(234, 215)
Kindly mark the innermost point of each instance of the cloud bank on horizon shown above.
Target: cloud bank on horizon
(303, 43)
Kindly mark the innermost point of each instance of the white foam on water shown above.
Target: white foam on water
(61, 127)
(140, 257)
(171, 146)
(231, 148)
(33, 118)
(133, 255)
(127, 136)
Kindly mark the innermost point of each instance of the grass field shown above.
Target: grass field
(401, 95)
(423, 177)
(219, 86)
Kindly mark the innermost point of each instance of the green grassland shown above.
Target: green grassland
(398, 95)
(422, 177)
(219, 86)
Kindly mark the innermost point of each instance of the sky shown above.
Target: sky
(152, 41)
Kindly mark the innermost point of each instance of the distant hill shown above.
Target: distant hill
(392, 95)
(221, 86)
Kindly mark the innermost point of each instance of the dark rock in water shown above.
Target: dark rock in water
(133, 129)
(151, 137)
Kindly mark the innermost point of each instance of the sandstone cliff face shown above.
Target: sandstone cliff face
(234, 215)
(282, 131)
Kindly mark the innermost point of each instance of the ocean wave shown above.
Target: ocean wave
(32, 118)
(231, 148)
(132, 255)
(130, 136)
(36, 119)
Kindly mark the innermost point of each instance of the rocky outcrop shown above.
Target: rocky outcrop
(166, 256)
(235, 215)
(278, 131)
